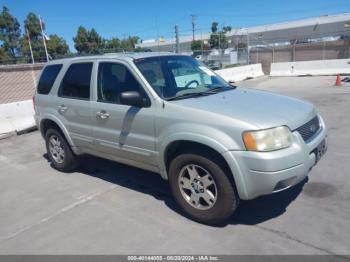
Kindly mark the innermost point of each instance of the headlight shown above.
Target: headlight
(268, 140)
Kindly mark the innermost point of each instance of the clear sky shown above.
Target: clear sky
(149, 18)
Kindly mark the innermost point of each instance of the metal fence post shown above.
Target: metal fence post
(293, 54)
(323, 50)
(248, 49)
(202, 44)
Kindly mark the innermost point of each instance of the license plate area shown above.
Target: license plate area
(320, 150)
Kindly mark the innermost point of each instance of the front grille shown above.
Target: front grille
(309, 129)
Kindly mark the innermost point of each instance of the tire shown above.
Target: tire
(218, 209)
(65, 161)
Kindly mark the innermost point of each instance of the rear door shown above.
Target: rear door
(122, 131)
(73, 102)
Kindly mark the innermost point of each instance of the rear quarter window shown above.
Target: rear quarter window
(47, 78)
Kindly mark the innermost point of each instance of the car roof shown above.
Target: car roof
(122, 56)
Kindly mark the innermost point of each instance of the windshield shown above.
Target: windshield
(179, 76)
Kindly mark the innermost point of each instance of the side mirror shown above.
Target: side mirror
(132, 98)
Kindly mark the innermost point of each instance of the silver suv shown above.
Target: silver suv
(215, 143)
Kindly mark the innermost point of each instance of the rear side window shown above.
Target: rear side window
(47, 79)
(76, 81)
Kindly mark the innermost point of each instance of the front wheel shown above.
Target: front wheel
(202, 189)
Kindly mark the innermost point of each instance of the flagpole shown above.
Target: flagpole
(42, 33)
(30, 47)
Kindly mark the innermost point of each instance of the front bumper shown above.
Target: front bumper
(260, 173)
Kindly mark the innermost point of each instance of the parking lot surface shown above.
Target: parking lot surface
(109, 208)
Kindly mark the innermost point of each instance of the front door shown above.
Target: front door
(120, 130)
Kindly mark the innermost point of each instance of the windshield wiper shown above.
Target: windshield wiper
(214, 90)
(186, 96)
(218, 89)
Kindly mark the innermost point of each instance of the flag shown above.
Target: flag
(42, 26)
(47, 38)
(27, 35)
(30, 46)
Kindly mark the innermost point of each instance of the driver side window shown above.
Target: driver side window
(112, 80)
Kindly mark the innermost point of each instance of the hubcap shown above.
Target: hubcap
(197, 187)
(56, 149)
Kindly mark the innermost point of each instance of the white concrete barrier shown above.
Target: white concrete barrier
(240, 73)
(16, 117)
(6, 128)
(315, 67)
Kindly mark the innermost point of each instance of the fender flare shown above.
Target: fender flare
(190, 137)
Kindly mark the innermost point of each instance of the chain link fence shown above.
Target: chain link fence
(339, 49)
(267, 54)
(21, 60)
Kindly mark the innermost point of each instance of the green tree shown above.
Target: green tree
(4, 56)
(81, 40)
(197, 46)
(129, 43)
(32, 26)
(112, 44)
(2, 52)
(218, 39)
(57, 46)
(87, 41)
(10, 33)
(116, 45)
(133, 40)
(226, 29)
(214, 27)
(95, 41)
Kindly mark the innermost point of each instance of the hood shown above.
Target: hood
(259, 108)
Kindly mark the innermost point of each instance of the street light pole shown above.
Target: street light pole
(248, 49)
(193, 25)
(202, 44)
(177, 46)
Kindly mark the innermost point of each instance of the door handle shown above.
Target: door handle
(102, 114)
(62, 108)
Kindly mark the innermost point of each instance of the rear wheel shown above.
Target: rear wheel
(202, 189)
(59, 151)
